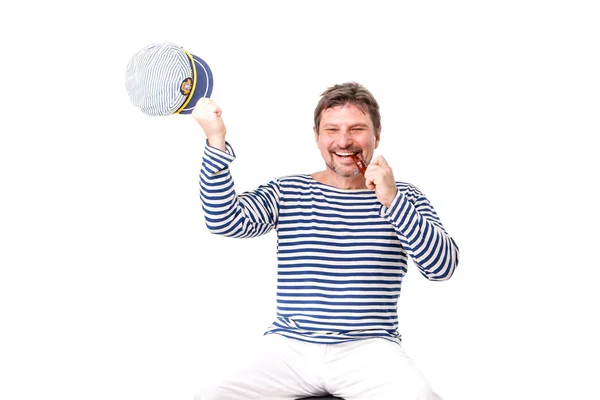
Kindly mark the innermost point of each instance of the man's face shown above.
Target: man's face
(345, 131)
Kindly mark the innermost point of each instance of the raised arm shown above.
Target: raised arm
(247, 215)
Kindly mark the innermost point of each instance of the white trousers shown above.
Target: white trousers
(289, 369)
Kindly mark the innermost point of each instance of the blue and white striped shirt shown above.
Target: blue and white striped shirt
(341, 253)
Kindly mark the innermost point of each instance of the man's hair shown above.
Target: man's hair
(349, 93)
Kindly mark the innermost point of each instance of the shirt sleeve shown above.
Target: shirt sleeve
(247, 215)
(422, 234)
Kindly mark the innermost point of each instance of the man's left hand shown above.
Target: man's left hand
(379, 177)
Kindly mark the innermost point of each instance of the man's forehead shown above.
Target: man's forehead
(344, 114)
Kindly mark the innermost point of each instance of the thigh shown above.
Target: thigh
(280, 369)
(376, 369)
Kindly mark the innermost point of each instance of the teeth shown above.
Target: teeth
(344, 154)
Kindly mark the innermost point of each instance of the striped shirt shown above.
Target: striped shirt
(341, 253)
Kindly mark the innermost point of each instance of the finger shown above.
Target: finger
(372, 172)
(379, 160)
(203, 102)
(206, 109)
(206, 104)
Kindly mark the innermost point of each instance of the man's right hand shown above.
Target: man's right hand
(208, 114)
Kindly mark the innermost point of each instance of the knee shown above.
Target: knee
(206, 394)
(417, 388)
(423, 391)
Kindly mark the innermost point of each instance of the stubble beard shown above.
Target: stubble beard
(346, 174)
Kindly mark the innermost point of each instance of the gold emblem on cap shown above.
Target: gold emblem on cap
(186, 86)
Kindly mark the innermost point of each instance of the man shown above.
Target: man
(343, 244)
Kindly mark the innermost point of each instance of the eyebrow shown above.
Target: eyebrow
(357, 125)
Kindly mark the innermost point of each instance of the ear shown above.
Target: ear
(316, 134)
(377, 137)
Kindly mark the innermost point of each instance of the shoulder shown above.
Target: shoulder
(294, 180)
(409, 190)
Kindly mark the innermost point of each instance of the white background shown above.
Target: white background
(110, 285)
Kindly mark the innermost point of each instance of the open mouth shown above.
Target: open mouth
(348, 154)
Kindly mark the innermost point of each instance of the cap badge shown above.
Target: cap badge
(186, 86)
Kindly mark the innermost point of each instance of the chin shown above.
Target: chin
(343, 172)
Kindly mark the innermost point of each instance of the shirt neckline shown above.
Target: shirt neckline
(336, 189)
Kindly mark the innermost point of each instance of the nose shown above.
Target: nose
(344, 139)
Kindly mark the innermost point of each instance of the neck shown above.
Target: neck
(330, 178)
